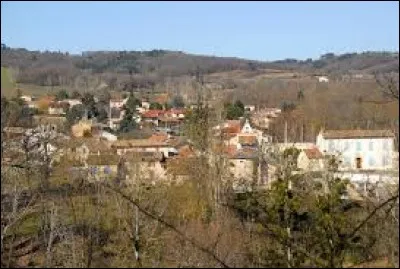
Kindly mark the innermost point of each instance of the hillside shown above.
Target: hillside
(144, 69)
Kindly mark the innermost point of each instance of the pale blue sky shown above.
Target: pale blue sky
(252, 30)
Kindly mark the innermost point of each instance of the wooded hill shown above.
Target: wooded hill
(147, 68)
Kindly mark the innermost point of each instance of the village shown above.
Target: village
(367, 158)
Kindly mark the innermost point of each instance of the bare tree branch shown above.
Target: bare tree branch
(172, 227)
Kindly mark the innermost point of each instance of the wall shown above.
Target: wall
(376, 153)
(241, 168)
(148, 171)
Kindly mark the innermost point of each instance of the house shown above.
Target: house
(249, 108)
(310, 160)
(54, 122)
(27, 98)
(32, 104)
(58, 108)
(108, 136)
(145, 105)
(247, 136)
(169, 123)
(243, 168)
(181, 168)
(175, 113)
(323, 79)
(140, 110)
(118, 103)
(148, 166)
(144, 145)
(359, 149)
(152, 116)
(82, 148)
(102, 167)
(72, 102)
(301, 146)
(114, 123)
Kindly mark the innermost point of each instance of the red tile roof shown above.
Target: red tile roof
(313, 153)
(232, 127)
(153, 113)
(247, 139)
(230, 150)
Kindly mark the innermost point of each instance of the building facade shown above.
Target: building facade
(359, 149)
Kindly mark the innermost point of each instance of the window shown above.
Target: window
(385, 160)
(331, 146)
(371, 161)
(346, 145)
(347, 161)
(358, 145)
(358, 163)
(371, 145)
(385, 145)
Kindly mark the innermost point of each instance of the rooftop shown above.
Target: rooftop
(153, 113)
(313, 153)
(331, 134)
(247, 139)
(143, 156)
(132, 143)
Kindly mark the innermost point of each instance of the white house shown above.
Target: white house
(249, 108)
(72, 102)
(359, 149)
(144, 145)
(145, 105)
(108, 136)
(175, 113)
(323, 79)
(118, 103)
(26, 98)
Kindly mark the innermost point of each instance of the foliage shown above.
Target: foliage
(234, 111)
(300, 95)
(196, 126)
(56, 68)
(178, 102)
(128, 123)
(132, 103)
(288, 106)
(61, 95)
(15, 113)
(76, 95)
(156, 106)
(75, 113)
(90, 104)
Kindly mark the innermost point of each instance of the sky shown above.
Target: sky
(264, 31)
